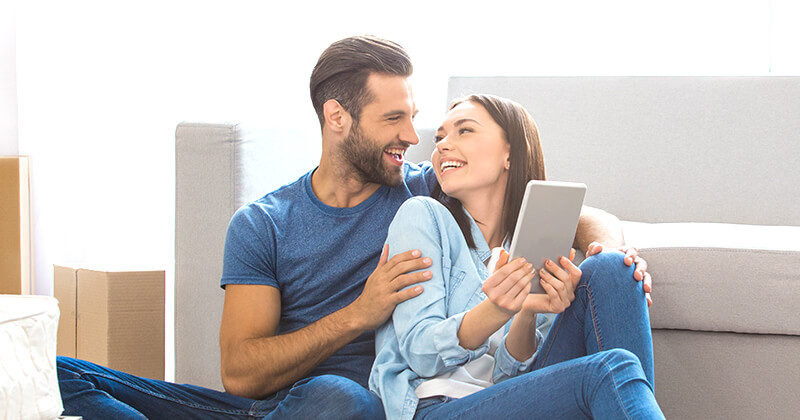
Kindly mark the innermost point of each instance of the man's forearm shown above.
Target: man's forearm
(596, 225)
(258, 367)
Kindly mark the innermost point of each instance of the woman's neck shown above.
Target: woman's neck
(487, 211)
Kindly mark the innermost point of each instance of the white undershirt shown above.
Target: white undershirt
(465, 380)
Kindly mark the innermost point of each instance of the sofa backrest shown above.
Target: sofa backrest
(219, 167)
(667, 149)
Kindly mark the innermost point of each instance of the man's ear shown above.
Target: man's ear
(336, 117)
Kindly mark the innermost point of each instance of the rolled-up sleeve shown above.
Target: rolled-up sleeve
(427, 336)
(506, 366)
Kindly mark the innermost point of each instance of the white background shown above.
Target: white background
(93, 90)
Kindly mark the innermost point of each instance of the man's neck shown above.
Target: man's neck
(339, 188)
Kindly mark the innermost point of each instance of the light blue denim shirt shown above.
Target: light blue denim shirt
(419, 341)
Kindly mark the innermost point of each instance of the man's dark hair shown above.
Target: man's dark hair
(342, 70)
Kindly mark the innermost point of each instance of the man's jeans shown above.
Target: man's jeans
(96, 392)
(596, 362)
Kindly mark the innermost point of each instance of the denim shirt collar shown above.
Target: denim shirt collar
(481, 253)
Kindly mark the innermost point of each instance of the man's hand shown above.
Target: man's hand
(631, 257)
(384, 287)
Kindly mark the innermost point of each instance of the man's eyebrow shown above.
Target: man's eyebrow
(397, 113)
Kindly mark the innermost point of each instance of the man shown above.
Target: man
(302, 291)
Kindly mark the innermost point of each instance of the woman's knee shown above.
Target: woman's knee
(622, 364)
(608, 269)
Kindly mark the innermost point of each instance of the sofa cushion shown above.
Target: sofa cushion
(701, 269)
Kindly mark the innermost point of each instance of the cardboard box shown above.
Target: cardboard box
(16, 248)
(112, 318)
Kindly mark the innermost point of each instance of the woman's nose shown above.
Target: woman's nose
(444, 144)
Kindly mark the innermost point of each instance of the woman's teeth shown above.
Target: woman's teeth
(446, 166)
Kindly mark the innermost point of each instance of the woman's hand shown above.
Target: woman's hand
(559, 282)
(509, 285)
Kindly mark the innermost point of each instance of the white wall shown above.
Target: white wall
(8, 80)
(101, 85)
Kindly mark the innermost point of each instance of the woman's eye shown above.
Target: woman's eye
(463, 130)
(437, 139)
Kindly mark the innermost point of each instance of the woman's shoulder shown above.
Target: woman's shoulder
(419, 206)
(423, 212)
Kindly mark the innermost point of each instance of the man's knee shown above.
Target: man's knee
(344, 398)
(68, 368)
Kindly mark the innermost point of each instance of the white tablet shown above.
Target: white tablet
(548, 220)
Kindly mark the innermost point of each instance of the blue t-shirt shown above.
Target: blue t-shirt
(317, 256)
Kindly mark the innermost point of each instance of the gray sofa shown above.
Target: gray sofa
(701, 170)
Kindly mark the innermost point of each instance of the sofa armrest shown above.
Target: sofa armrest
(721, 277)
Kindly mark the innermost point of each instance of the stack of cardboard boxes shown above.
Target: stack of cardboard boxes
(16, 248)
(112, 318)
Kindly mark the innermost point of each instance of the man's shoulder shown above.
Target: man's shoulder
(287, 192)
(419, 177)
(272, 204)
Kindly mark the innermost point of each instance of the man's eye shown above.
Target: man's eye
(393, 118)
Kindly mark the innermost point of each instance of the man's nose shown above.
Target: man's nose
(409, 134)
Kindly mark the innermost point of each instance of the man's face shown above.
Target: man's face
(374, 147)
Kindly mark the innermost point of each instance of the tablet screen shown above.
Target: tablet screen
(548, 220)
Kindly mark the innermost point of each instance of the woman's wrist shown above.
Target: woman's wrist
(527, 316)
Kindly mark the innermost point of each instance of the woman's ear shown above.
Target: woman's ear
(508, 163)
(336, 118)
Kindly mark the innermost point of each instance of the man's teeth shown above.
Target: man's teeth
(450, 165)
(396, 153)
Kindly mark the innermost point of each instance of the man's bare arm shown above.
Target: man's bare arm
(596, 225)
(256, 362)
(597, 230)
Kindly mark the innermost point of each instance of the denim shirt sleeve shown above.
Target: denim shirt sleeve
(427, 336)
(506, 366)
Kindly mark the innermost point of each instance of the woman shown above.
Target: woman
(468, 346)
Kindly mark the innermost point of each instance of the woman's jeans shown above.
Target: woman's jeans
(96, 392)
(596, 362)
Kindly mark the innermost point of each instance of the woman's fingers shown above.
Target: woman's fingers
(508, 286)
(564, 294)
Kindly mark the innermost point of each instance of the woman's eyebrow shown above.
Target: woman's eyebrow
(460, 122)
(466, 120)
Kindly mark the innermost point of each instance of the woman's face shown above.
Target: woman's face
(471, 155)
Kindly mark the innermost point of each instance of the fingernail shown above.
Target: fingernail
(427, 274)
(418, 289)
(426, 260)
(415, 253)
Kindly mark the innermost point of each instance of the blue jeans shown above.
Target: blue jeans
(596, 361)
(96, 392)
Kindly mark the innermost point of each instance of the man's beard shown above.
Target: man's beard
(366, 160)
